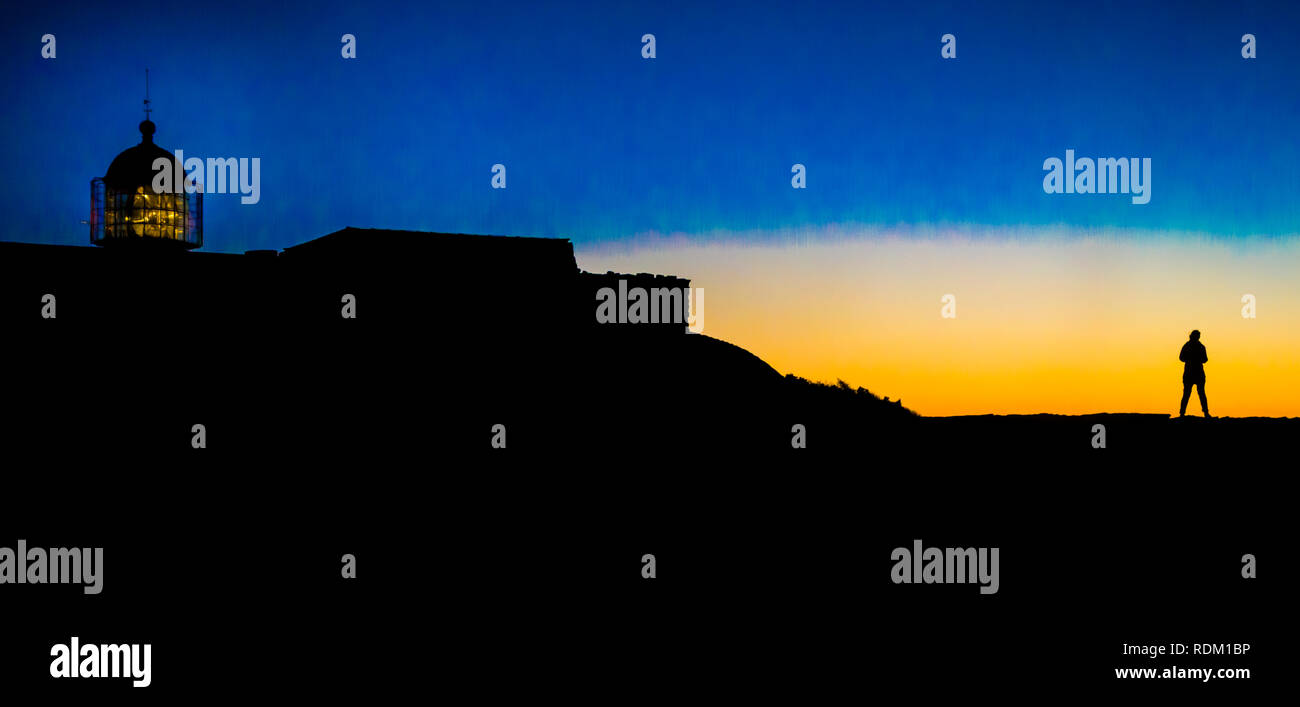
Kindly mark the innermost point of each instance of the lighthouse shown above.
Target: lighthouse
(127, 210)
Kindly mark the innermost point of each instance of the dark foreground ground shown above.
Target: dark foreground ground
(1125, 434)
(516, 572)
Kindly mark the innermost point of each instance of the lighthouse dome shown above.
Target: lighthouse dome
(126, 208)
(134, 167)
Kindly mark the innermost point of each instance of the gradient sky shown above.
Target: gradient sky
(933, 167)
(1048, 320)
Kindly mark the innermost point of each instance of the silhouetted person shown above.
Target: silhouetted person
(1193, 358)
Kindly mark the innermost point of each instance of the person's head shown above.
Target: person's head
(1195, 335)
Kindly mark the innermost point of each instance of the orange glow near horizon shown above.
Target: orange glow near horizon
(1055, 322)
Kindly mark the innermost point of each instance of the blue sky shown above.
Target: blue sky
(601, 144)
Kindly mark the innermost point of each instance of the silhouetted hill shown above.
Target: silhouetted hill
(454, 334)
(698, 394)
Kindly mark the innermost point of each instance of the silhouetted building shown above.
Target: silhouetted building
(320, 339)
(494, 286)
(664, 301)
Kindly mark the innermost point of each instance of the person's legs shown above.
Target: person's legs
(1200, 391)
(1187, 393)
